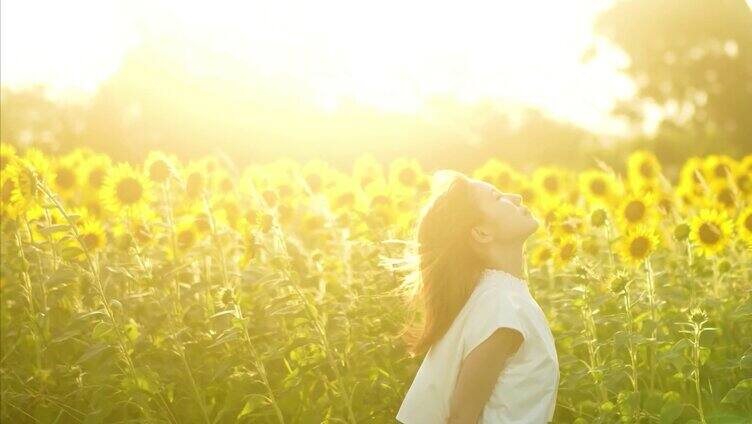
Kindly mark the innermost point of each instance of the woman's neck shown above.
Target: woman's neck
(509, 258)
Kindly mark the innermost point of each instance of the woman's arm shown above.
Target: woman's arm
(478, 374)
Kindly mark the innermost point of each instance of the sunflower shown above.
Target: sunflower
(542, 253)
(569, 220)
(7, 155)
(228, 208)
(251, 248)
(222, 183)
(125, 189)
(744, 225)
(92, 234)
(343, 195)
(550, 180)
(564, 251)
(159, 166)
(195, 176)
(710, 231)
(744, 175)
(666, 203)
(94, 170)
(643, 168)
(8, 186)
(186, 235)
(724, 194)
(405, 172)
(636, 210)
(638, 244)
(598, 187)
(316, 174)
(67, 176)
(24, 193)
(498, 173)
(719, 167)
(367, 170)
(531, 195)
(692, 171)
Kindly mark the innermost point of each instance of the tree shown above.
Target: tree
(692, 58)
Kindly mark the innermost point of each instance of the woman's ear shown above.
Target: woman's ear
(479, 234)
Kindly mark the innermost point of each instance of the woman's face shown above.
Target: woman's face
(506, 219)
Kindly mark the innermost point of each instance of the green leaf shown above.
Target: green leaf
(52, 229)
(100, 330)
(671, 411)
(742, 391)
(71, 252)
(252, 403)
(92, 352)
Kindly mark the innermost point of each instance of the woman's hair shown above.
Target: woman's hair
(447, 267)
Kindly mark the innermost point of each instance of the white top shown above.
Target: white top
(526, 389)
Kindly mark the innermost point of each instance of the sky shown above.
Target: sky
(388, 54)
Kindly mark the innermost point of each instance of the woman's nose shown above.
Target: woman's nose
(514, 198)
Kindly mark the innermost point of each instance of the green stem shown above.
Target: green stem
(654, 319)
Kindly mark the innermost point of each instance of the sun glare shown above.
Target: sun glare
(390, 55)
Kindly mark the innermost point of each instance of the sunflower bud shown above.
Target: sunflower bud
(619, 282)
(724, 266)
(598, 217)
(266, 222)
(698, 316)
(228, 297)
(681, 232)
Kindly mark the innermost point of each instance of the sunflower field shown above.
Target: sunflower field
(199, 292)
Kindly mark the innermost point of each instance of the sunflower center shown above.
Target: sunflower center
(709, 233)
(726, 196)
(159, 171)
(90, 240)
(544, 255)
(721, 170)
(503, 179)
(379, 200)
(202, 223)
(665, 205)
(407, 177)
(639, 247)
(270, 197)
(65, 178)
(551, 184)
(567, 251)
(129, 191)
(186, 238)
(345, 199)
(8, 190)
(634, 211)
(96, 176)
(598, 187)
(194, 185)
(314, 181)
(646, 170)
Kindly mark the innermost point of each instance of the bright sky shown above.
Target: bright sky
(386, 53)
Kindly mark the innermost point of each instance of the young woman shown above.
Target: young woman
(490, 355)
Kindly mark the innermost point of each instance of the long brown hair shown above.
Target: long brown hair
(446, 267)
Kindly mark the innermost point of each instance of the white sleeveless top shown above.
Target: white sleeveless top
(526, 389)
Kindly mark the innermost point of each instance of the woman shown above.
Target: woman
(490, 355)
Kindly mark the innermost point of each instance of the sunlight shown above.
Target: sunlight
(390, 55)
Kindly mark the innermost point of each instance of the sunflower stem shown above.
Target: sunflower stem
(653, 318)
(95, 271)
(630, 346)
(174, 244)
